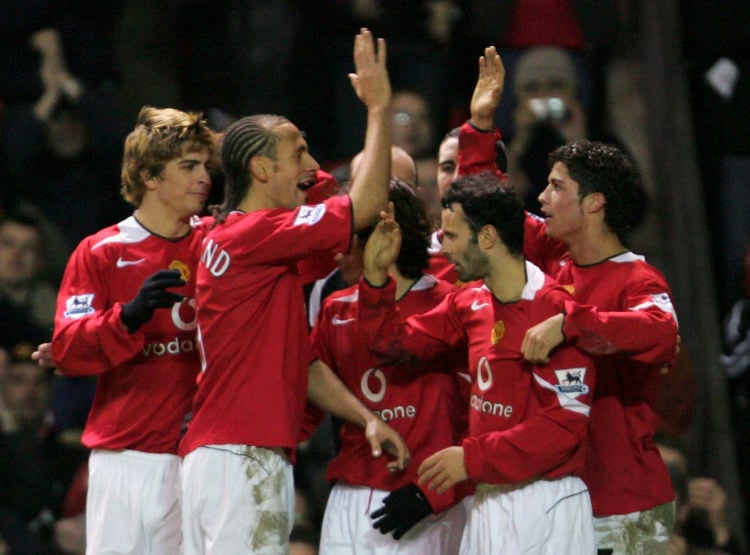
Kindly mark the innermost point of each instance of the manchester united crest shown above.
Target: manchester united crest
(181, 267)
(498, 331)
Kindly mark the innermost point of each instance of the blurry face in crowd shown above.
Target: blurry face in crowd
(412, 127)
(20, 253)
(67, 135)
(25, 392)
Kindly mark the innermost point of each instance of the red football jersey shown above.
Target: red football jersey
(424, 400)
(146, 379)
(629, 327)
(525, 421)
(252, 327)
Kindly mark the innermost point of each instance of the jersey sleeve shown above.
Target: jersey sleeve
(89, 336)
(281, 236)
(550, 443)
(396, 340)
(443, 502)
(646, 331)
(476, 153)
(476, 150)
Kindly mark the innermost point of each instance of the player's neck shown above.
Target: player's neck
(163, 223)
(403, 284)
(595, 247)
(507, 277)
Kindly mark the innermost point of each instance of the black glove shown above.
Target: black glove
(401, 510)
(153, 295)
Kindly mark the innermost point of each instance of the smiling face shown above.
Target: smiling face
(460, 245)
(182, 187)
(291, 171)
(561, 205)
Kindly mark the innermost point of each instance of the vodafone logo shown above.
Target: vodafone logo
(184, 315)
(484, 374)
(364, 384)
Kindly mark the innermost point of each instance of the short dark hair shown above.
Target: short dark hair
(24, 217)
(603, 168)
(411, 215)
(485, 202)
(243, 140)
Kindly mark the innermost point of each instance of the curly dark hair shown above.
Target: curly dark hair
(411, 215)
(604, 168)
(485, 202)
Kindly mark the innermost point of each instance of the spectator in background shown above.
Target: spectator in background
(586, 29)
(717, 51)
(548, 113)
(702, 526)
(27, 311)
(415, 130)
(735, 360)
(27, 302)
(35, 469)
(61, 149)
(420, 43)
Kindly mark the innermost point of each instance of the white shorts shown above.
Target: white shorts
(133, 503)
(544, 517)
(347, 527)
(237, 499)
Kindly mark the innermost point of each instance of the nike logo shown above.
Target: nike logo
(476, 305)
(122, 263)
(339, 322)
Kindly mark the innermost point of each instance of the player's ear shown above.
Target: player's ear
(487, 236)
(595, 202)
(260, 167)
(149, 181)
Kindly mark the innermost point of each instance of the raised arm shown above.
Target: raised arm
(478, 137)
(369, 190)
(488, 91)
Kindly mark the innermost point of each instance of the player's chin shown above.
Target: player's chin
(300, 197)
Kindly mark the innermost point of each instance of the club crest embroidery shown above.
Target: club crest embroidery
(181, 267)
(570, 381)
(498, 332)
(569, 288)
(79, 306)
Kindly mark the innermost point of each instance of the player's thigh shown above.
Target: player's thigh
(544, 517)
(237, 499)
(640, 532)
(133, 502)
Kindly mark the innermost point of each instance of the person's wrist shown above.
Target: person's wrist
(482, 124)
(380, 110)
(376, 277)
